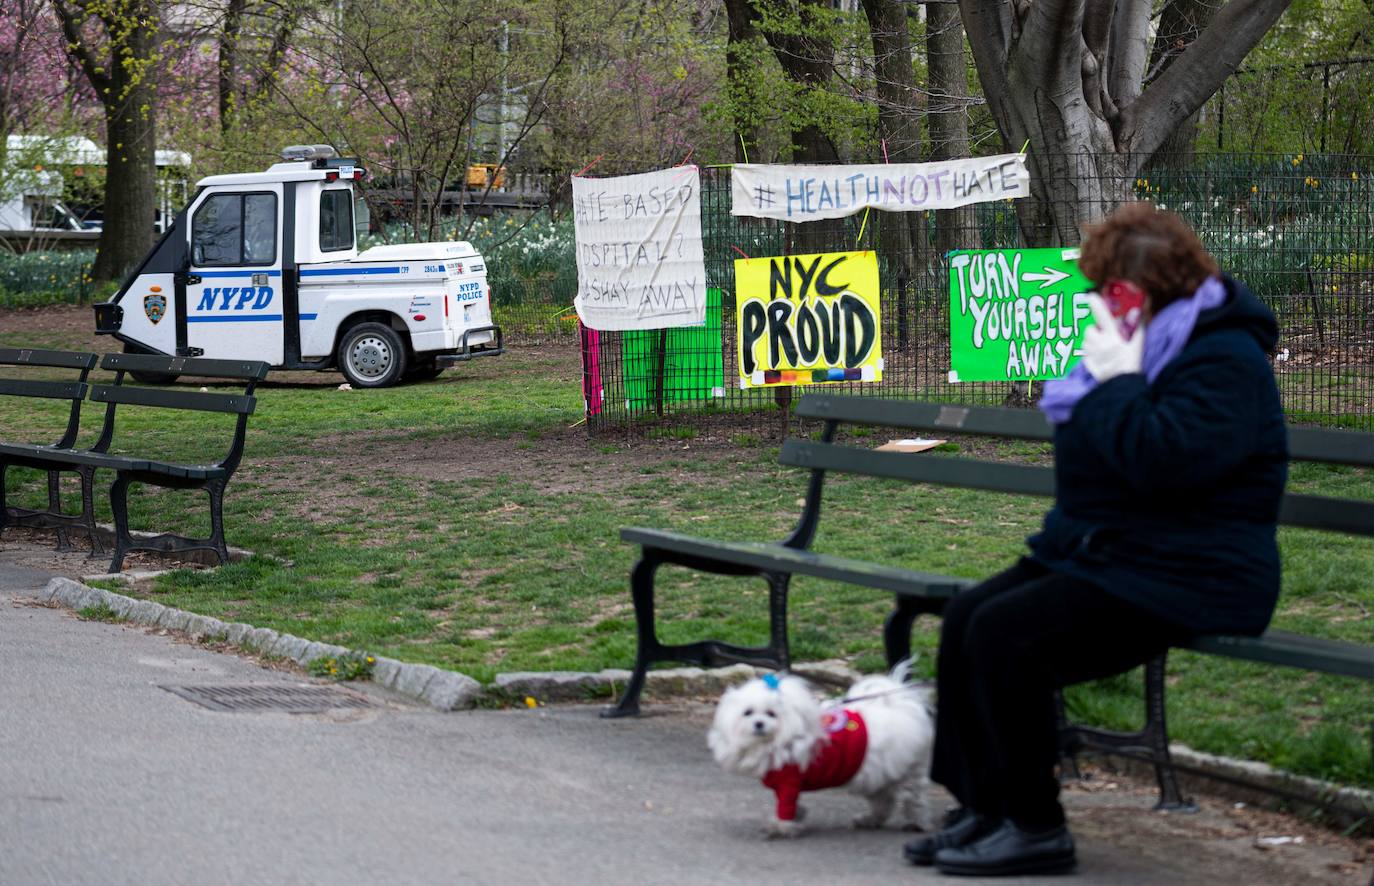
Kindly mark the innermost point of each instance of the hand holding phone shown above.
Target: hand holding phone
(1108, 350)
(1126, 301)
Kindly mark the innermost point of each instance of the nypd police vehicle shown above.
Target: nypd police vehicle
(265, 266)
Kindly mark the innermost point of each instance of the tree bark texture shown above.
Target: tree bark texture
(947, 117)
(115, 48)
(808, 60)
(901, 235)
(1069, 77)
(229, 60)
(741, 35)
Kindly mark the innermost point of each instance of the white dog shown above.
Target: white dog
(876, 741)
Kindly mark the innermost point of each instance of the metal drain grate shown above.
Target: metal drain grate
(297, 699)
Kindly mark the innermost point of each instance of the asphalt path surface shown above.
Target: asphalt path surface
(106, 777)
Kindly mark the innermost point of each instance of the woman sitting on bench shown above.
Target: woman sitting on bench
(1170, 462)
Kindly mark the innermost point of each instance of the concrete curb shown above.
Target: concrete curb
(445, 690)
(450, 691)
(441, 689)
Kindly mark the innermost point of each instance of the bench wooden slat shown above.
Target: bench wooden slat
(207, 402)
(776, 557)
(42, 357)
(86, 457)
(198, 366)
(1293, 650)
(1306, 511)
(1304, 444)
(1026, 424)
(54, 390)
(1333, 514)
(988, 475)
(1337, 447)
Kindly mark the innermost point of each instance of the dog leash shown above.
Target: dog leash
(905, 687)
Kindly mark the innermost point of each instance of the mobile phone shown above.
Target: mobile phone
(1126, 301)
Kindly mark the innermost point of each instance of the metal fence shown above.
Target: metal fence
(1299, 230)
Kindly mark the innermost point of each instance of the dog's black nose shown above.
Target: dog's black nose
(759, 726)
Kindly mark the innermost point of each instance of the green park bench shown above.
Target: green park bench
(72, 389)
(919, 593)
(212, 476)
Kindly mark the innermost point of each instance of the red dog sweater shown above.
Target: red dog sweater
(841, 754)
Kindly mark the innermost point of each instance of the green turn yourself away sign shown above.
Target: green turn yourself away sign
(1015, 314)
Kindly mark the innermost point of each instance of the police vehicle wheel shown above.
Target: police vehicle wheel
(372, 355)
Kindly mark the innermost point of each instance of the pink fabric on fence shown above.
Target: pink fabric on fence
(591, 370)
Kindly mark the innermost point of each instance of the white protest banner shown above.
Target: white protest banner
(639, 255)
(810, 193)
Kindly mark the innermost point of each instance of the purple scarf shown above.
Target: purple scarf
(1165, 337)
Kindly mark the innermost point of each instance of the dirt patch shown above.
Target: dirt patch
(70, 327)
(562, 461)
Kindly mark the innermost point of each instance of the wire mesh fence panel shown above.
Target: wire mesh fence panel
(1299, 230)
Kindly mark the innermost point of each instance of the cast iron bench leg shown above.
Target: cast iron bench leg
(64, 543)
(642, 593)
(88, 510)
(777, 617)
(1153, 738)
(119, 504)
(216, 490)
(1171, 799)
(897, 625)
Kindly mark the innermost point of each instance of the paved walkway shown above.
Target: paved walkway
(106, 778)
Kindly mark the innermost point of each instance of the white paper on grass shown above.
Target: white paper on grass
(640, 263)
(811, 193)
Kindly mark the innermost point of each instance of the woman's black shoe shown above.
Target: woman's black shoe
(1009, 850)
(959, 830)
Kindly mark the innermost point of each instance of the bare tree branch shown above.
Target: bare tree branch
(988, 25)
(1130, 48)
(1197, 74)
(72, 19)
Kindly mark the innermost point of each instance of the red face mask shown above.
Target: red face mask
(1126, 301)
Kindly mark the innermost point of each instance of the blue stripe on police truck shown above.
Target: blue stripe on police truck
(339, 272)
(226, 318)
(247, 273)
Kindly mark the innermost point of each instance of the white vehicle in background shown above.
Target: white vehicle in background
(265, 266)
(31, 205)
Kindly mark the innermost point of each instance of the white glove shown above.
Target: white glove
(1106, 352)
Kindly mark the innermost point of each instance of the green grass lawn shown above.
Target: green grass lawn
(468, 523)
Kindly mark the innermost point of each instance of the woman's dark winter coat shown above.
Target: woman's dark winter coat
(1167, 494)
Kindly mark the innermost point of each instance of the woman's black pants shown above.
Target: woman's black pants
(1005, 647)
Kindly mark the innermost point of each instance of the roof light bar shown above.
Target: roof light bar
(308, 152)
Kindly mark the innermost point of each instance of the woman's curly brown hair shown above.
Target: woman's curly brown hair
(1150, 247)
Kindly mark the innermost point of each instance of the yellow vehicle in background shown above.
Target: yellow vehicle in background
(482, 175)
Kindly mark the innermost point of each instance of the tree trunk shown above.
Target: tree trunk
(808, 61)
(229, 60)
(741, 37)
(130, 168)
(948, 117)
(901, 235)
